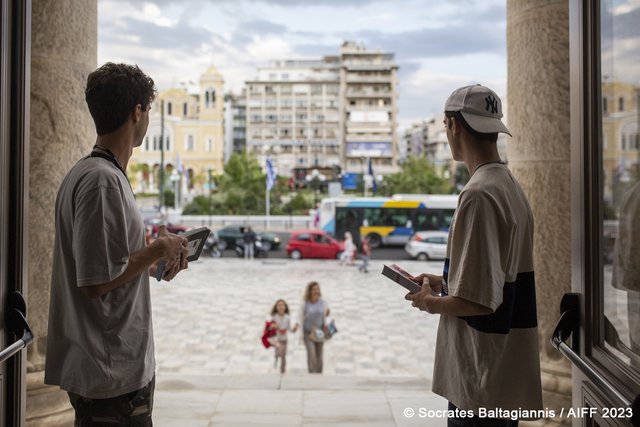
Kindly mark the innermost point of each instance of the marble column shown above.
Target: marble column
(63, 52)
(539, 156)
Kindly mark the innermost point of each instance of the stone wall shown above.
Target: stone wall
(63, 52)
(539, 156)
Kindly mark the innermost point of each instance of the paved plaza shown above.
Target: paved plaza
(213, 370)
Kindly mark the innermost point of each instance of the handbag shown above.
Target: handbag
(318, 335)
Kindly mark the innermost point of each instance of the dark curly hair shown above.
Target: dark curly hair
(112, 93)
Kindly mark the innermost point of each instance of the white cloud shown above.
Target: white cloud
(268, 48)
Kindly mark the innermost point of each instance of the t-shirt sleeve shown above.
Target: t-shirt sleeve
(100, 247)
(479, 250)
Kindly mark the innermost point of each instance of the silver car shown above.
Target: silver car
(427, 245)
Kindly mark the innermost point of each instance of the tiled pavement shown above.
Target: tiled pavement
(213, 370)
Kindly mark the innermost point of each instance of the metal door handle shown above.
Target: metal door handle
(16, 324)
(569, 326)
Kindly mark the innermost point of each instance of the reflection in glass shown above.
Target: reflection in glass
(620, 67)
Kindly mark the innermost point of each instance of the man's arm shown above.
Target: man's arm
(427, 300)
(171, 247)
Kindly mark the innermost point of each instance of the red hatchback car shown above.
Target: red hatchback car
(313, 244)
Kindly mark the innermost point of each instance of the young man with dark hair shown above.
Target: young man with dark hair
(100, 339)
(487, 357)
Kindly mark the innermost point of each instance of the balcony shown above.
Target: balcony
(355, 78)
(369, 93)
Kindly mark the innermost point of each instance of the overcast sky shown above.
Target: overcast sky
(438, 45)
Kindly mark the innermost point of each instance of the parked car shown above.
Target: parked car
(313, 244)
(152, 224)
(427, 245)
(229, 235)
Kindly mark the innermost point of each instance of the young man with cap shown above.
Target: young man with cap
(487, 356)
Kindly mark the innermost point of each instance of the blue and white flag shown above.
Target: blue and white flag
(271, 175)
(374, 187)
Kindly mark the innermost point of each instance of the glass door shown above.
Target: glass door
(605, 124)
(618, 326)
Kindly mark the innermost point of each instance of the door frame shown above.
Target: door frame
(15, 77)
(586, 208)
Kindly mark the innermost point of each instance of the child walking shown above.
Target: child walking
(280, 315)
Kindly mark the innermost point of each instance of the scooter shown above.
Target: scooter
(211, 245)
(259, 250)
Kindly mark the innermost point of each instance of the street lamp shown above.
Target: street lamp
(175, 179)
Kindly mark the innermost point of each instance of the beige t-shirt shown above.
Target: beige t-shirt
(103, 347)
(490, 361)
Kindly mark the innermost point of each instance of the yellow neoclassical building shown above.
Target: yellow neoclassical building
(621, 135)
(193, 138)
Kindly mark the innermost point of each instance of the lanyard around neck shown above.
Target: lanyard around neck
(105, 153)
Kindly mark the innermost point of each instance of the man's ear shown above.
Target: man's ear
(136, 113)
(454, 125)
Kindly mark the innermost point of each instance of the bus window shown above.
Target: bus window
(448, 217)
(397, 217)
(372, 217)
(428, 220)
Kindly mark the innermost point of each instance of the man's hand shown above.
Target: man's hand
(435, 282)
(427, 297)
(173, 249)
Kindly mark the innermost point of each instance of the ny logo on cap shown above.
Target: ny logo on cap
(492, 103)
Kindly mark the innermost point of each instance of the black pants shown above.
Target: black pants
(132, 409)
(479, 422)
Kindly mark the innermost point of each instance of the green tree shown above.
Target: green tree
(417, 176)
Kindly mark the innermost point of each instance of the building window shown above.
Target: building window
(209, 144)
(624, 142)
(190, 144)
(605, 101)
(155, 143)
(185, 109)
(146, 143)
(168, 144)
(206, 98)
(621, 104)
(169, 108)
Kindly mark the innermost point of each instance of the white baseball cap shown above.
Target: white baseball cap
(480, 107)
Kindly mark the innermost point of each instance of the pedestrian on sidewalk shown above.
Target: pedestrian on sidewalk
(313, 319)
(365, 255)
(349, 249)
(100, 339)
(249, 239)
(280, 315)
(487, 352)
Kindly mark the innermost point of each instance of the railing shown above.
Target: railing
(275, 222)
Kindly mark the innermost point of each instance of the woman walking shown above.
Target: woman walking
(314, 314)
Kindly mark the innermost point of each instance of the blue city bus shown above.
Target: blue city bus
(386, 220)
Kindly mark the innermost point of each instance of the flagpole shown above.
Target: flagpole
(267, 202)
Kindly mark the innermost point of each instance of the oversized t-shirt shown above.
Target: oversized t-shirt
(490, 361)
(101, 347)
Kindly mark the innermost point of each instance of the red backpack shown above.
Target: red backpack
(270, 330)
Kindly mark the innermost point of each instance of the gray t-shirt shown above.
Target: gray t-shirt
(313, 315)
(103, 347)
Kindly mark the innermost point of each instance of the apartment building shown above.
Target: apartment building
(337, 111)
(368, 109)
(293, 114)
(235, 124)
